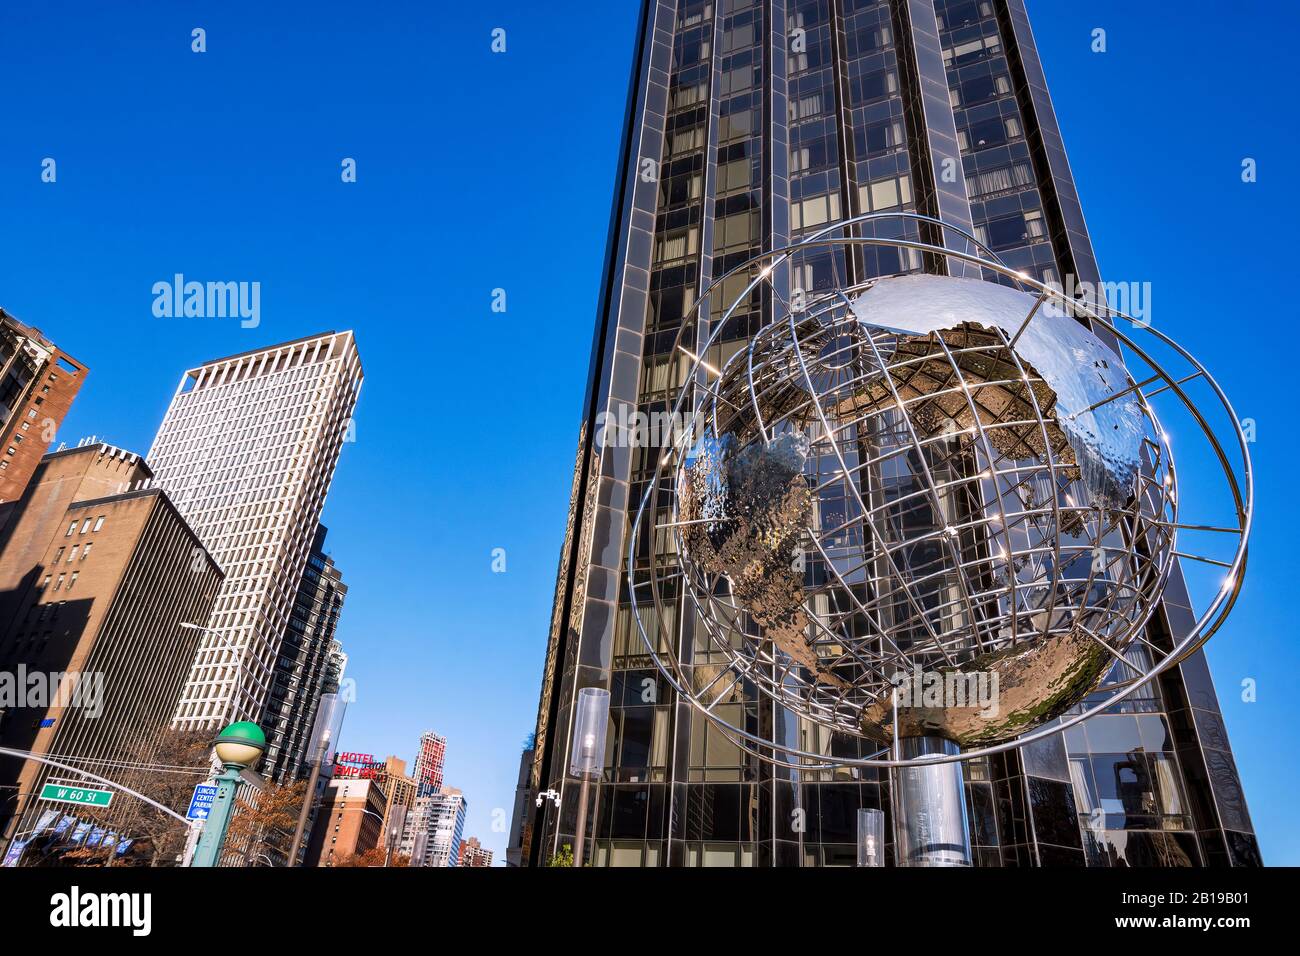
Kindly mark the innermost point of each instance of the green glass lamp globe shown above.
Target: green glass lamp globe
(241, 744)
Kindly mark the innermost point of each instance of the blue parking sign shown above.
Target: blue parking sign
(201, 803)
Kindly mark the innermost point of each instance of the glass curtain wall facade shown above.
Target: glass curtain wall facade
(751, 123)
(302, 666)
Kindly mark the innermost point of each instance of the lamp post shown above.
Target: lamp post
(316, 751)
(239, 746)
(228, 645)
(394, 833)
(380, 818)
(587, 755)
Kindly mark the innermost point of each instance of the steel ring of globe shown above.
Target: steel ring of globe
(1242, 492)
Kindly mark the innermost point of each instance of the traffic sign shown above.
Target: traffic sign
(86, 796)
(205, 795)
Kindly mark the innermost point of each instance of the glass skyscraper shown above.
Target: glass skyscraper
(749, 124)
(303, 671)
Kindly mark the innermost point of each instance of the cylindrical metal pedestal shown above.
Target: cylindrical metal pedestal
(930, 826)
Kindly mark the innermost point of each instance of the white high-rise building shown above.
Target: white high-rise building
(434, 829)
(247, 451)
(415, 832)
(447, 811)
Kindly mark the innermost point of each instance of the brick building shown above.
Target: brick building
(38, 382)
(473, 854)
(348, 822)
(97, 575)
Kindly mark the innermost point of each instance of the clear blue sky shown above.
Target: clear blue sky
(479, 171)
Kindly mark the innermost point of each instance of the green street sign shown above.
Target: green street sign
(86, 796)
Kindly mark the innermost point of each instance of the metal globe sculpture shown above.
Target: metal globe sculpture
(935, 475)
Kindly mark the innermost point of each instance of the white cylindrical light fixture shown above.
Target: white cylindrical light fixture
(590, 720)
(871, 837)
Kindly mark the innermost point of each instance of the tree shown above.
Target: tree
(261, 830)
(374, 857)
(164, 768)
(563, 857)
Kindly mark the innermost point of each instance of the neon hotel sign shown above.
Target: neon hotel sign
(361, 766)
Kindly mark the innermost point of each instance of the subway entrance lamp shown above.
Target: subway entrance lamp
(240, 746)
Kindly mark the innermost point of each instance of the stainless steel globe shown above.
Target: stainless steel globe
(913, 483)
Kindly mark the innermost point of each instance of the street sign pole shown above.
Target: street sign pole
(191, 843)
(199, 810)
